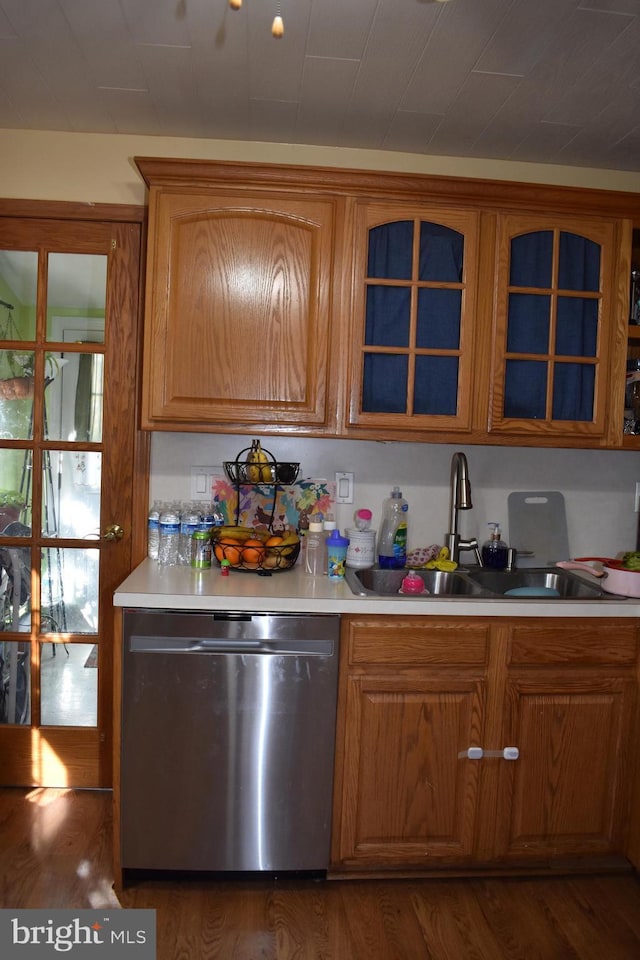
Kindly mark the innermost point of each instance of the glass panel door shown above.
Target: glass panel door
(70, 373)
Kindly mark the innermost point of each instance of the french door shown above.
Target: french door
(69, 308)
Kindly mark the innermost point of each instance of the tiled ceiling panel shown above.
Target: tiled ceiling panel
(547, 81)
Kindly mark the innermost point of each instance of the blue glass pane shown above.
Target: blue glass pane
(579, 263)
(531, 259)
(573, 391)
(436, 386)
(577, 327)
(391, 250)
(525, 389)
(441, 253)
(439, 319)
(528, 323)
(388, 314)
(384, 388)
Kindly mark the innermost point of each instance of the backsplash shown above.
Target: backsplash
(598, 486)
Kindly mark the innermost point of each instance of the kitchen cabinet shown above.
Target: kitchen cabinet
(412, 347)
(556, 696)
(363, 304)
(569, 706)
(485, 324)
(554, 329)
(632, 393)
(239, 305)
(413, 696)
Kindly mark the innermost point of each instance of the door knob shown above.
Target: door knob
(113, 532)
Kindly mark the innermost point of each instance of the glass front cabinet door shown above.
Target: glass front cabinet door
(553, 327)
(414, 302)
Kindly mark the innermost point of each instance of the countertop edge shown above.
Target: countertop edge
(180, 588)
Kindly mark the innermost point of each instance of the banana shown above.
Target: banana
(290, 537)
(230, 532)
(259, 469)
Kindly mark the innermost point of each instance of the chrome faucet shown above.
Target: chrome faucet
(460, 500)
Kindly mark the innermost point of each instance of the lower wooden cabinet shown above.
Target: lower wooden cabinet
(431, 711)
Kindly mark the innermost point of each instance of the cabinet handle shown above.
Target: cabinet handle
(508, 753)
(477, 753)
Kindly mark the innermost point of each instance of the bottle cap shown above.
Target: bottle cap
(363, 519)
(336, 540)
(316, 526)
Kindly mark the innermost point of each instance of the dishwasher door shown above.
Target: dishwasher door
(228, 730)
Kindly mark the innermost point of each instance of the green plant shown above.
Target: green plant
(20, 363)
(12, 498)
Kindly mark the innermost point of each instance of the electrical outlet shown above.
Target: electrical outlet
(344, 487)
(636, 506)
(201, 481)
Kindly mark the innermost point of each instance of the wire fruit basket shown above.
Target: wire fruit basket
(248, 549)
(256, 466)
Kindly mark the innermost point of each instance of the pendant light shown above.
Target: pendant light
(277, 27)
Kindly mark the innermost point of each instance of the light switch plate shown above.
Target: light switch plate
(344, 487)
(201, 481)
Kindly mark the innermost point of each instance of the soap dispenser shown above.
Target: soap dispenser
(494, 550)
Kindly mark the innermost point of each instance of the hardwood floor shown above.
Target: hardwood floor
(55, 851)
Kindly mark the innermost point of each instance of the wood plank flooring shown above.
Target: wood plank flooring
(55, 851)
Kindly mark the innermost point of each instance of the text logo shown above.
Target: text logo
(80, 934)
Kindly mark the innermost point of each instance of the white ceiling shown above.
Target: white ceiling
(548, 81)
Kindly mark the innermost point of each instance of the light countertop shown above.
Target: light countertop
(293, 591)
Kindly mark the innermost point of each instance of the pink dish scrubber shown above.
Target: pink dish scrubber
(420, 556)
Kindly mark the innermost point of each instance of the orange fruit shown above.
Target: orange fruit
(227, 549)
(252, 551)
(273, 541)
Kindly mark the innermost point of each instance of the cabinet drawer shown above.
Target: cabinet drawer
(580, 642)
(411, 640)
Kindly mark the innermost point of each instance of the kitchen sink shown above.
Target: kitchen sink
(478, 584)
(553, 584)
(387, 583)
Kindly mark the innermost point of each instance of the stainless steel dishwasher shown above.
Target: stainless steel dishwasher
(228, 730)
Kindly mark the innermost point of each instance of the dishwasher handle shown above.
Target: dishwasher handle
(141, 643)
(220, 645)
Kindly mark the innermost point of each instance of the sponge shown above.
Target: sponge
(532, 592)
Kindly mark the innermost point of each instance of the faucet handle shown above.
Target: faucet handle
(472, 544)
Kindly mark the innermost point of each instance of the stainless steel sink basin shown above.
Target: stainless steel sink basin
(479, 584)
(543, 582)
(386, 583)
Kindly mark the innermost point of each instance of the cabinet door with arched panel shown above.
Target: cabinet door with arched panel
(414, 302)
(554, 327)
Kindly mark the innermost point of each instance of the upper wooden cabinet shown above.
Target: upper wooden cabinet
(632, 393)
(415, 274)
(328, 302)
(554, 326)
(238, 312)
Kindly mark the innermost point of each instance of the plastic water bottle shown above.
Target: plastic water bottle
(189, 521)
(153, 530)
(169, 543)
(392, 541)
